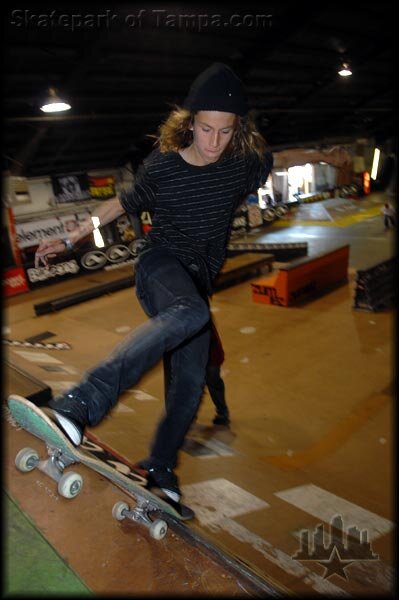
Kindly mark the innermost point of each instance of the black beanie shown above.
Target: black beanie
(217, 88)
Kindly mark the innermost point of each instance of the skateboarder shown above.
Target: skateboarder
(209, 157)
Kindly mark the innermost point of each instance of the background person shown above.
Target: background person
(388, 213)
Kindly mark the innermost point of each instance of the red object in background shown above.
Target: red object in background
(12, 235)
(366, 182)
(216, 352)
(14, 277)
(14, 281)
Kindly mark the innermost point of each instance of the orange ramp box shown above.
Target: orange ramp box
(303, 278)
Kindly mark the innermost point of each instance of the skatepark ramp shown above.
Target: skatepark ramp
(303, 278)
(234, 271)
(280, 251)
(183, 543)
(24, 384)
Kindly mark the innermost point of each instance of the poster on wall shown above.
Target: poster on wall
(54, 228)
(14, 281)
(13, 277)
(102, 188)
(30, 234)
(71, 188)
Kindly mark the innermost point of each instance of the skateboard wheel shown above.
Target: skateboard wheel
(158, 529)
(26, 460)
(118, 509)
(70, 485)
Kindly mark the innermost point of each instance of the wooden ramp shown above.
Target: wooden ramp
(23, 383)
(114, 557)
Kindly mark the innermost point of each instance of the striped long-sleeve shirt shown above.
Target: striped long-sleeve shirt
(192, 206)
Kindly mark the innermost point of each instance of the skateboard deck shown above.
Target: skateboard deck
(63, 453)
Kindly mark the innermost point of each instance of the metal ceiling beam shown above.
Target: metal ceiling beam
(73, 118)
(75, 167)
(81, 155)
(149, 116)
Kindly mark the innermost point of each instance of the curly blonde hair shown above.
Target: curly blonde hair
(175, 134)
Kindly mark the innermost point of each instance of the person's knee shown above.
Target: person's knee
(202, 310)
(193, 311)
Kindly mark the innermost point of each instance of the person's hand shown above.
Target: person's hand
(338, 156)
(47, 250)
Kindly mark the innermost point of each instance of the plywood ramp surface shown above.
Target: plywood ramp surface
(113, 557)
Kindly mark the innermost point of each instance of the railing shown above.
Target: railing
(375, 286)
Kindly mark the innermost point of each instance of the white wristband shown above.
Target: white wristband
(68, 244)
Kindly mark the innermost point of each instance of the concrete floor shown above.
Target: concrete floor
(310, 390)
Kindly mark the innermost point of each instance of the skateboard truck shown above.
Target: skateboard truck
(61, 453)
(69, 484)
(140, 514)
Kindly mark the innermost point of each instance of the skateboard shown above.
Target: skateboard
(62, 453)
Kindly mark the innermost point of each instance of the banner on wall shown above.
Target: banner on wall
(114, 256)
(14, 281)
(54, 228)
(102, 188)
(13, 277)
(71, 188)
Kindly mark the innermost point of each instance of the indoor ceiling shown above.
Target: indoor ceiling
(123, 68)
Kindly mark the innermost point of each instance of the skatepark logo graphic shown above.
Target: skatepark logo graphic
(338, 554)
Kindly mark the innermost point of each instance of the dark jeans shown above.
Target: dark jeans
(179, 326)
(389, 221)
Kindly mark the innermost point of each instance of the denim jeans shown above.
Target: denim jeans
(389, 221)
(179, 326)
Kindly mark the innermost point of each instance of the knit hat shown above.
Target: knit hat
(217, 88)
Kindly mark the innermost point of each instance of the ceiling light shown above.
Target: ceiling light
(374, 168)
(345, 70)
(53, 103)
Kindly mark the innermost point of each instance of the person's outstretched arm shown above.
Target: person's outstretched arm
(141, 197)
(106, 212)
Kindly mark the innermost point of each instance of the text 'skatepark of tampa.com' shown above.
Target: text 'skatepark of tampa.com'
(156, 18)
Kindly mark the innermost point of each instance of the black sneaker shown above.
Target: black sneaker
(221, 419)
(70, 413)
(144, 464)
(164, 481)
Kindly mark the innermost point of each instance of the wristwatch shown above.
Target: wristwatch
(68, 244)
